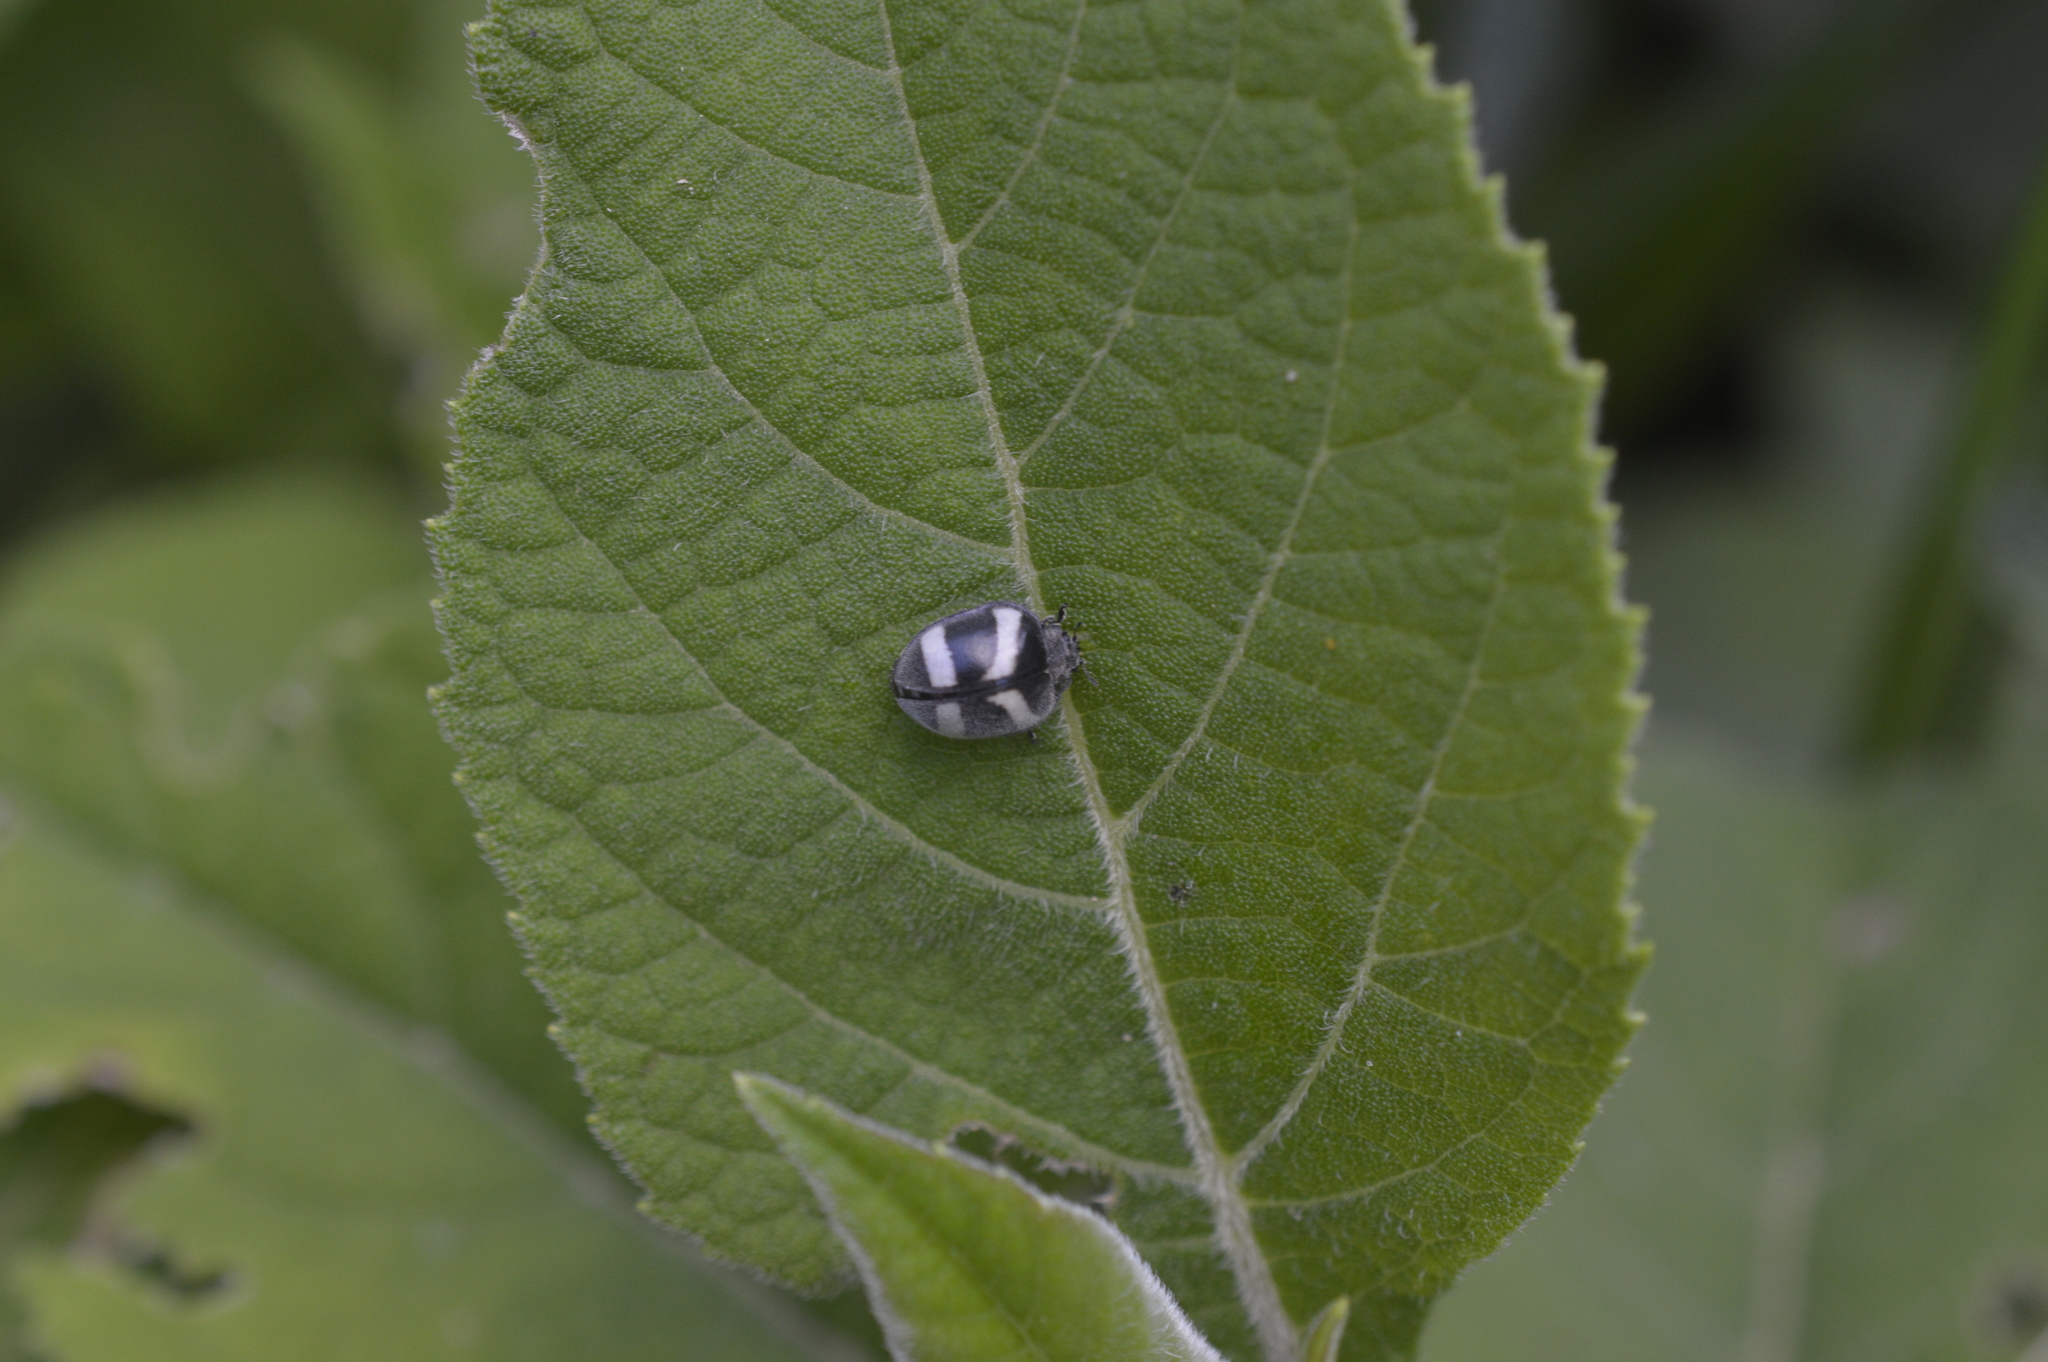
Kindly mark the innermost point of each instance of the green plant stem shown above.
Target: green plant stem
(1920, 651)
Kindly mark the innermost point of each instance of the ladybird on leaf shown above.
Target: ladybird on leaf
(988, 672)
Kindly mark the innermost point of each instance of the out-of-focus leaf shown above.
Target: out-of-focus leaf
(52, 1160)
(240, 887)
(1655, 233)
(1829, 1142)
(161, 222)
(232, 686)
(355, 1188)
(967, 1264)
(1922, 650)
(426, 202)
(1302, 921)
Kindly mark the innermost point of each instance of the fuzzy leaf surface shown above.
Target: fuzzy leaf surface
(1303, 918)
(965, 1263)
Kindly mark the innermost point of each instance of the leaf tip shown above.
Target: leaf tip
(1325, 1333)
(770, 1101)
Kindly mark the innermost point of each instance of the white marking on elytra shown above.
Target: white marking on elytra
(1014, 705)
(948, 716)
(1009, 642)
(938, 660)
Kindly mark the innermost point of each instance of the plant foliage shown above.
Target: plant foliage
(1303, 922)
(965, 1262)
(237, 890)
(1829, 1143)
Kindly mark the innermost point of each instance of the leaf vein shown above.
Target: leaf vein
(868, 809)
(1424, 797)
(1127, 313)
(1053, 1133)
(1277, 560)
(1038, 133)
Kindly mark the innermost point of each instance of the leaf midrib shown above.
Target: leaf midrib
(1027, 1122)
(1257, 1291)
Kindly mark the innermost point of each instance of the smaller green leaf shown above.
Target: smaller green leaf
(1326, 1332)
(963, 1262)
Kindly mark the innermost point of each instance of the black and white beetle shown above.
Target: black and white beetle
(988, 672)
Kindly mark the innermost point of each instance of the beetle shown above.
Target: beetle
(988, 672)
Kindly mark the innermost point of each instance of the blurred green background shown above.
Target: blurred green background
(243, 233)
(247, 242)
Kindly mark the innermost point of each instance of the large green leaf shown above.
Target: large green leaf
(237, 886)
(967, 1264)
(1303, 919)
(1829, 1143)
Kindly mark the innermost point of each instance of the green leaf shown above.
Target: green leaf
(424, 201)
(1325, 1333)
(1302, 919)
(160, 224)
(237, 887)
(967, 1264)
(1828, 1144)
(1938, 600)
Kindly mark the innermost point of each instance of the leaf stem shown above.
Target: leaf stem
(1921, 648)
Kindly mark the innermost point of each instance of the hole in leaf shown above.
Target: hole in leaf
(167, 1275)
(1075, 1182)
(55, 1156)
(2011, 1309)
(56, 1161)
